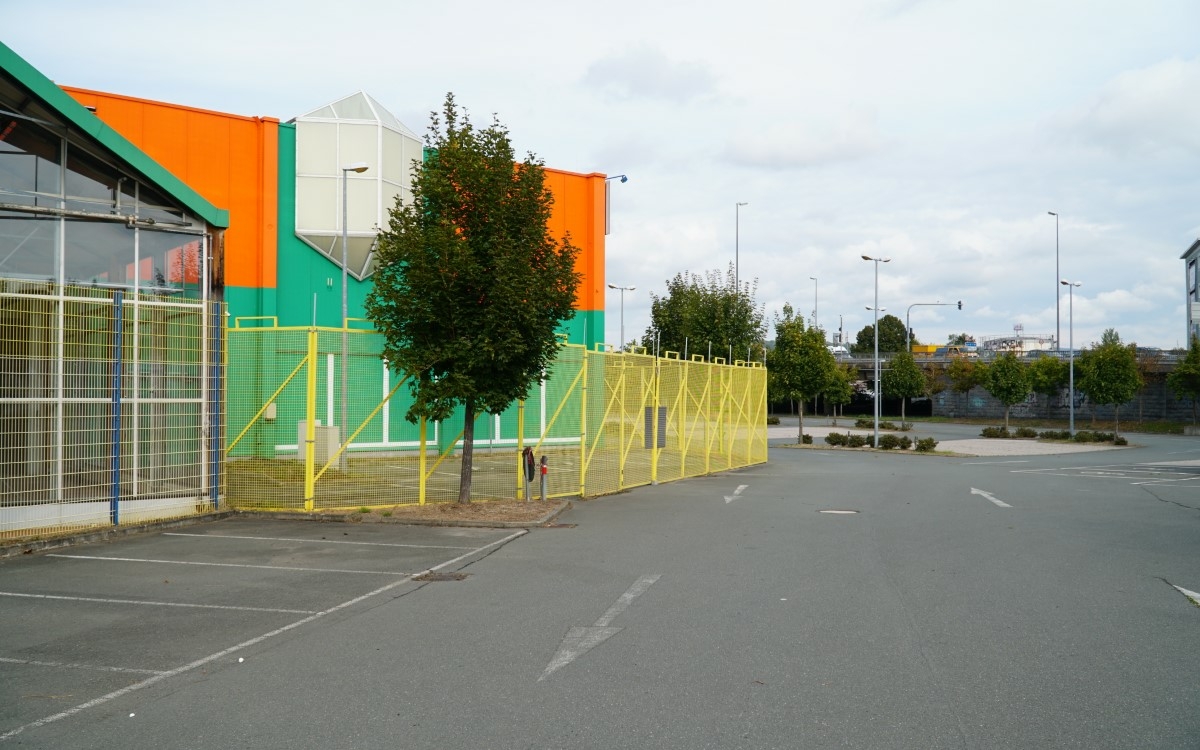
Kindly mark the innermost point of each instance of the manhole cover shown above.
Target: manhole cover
(440, 577)
(839, 512)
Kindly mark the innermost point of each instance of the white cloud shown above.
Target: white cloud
(646, 73)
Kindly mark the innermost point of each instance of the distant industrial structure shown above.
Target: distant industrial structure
(1018, 342)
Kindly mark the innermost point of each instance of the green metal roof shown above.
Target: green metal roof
(78, 118)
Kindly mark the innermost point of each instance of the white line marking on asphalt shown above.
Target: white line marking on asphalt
(989, 463)
(157, 604)
(319, 541)
(1189, 594)
(243, 645)
(580, 640)
(233, 565)
(65, 665)
(736, 493)
(988, 495)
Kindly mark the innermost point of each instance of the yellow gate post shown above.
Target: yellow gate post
(521, 450)
(310, 415)
(583, 426)
(421, 466)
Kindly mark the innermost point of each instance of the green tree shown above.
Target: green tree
(891, 337)
(903, 379)
(1184, 380)
(1048, 376)
(1008, 382)
(840, 390)
(1108, 374)
(959, 339)
(800, 365)
(964, 374)
(471, 287)
(698, 312)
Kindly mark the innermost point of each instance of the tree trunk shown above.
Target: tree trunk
(1116, 420)
(468, 453)
(800, 439)
(902, 401)
(1006, 407)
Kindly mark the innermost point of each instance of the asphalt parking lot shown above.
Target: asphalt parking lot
(87, 624)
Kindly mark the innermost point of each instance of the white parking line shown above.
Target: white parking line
(243, 645)
(232, 565)
(94, 667)
(318, 541)
(156, 604)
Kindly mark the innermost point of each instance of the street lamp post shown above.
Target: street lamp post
(737, 236)
(357, 167)
(816, 301)
(622, 289)
(908, 328)
(876, 261)
(607, 213)
(1057, 291)
(1071, 285)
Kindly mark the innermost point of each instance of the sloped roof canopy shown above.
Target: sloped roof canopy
(41, 100)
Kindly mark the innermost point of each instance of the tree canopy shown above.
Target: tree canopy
(903, 379)
(1048, 376)
(891, 337)
(471, 287)
(964, 374)
(1108, 373)
(800, 366)
(1184, 380)
(1008, 382)
(699, 311)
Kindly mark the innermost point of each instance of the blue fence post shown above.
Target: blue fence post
(216, 353)
(118, 323)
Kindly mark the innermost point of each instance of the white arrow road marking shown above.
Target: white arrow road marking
(580, 640)
(736, 493)
(1189, 594)
(989, 496)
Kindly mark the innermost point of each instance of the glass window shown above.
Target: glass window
(30, 171)
(92, 185)
(28, 246)
(154, 205)
(170, 263)
(99, 252)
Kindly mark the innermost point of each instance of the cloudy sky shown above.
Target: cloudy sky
(938, 133)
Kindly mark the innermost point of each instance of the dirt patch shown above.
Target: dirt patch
(449, 514)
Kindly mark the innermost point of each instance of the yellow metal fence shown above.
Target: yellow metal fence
(605, 422)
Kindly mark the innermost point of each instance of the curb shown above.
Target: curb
(103, 535)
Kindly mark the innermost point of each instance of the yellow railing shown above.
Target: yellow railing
(605, 421)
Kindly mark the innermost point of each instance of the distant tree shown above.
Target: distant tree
(800, 365)
(1007, 382)
(697, 313)
(903, 379)
(1184, 380)
(1108, 374)
(959, 339)
(840, 390)
(1048, 376)
(471, 287)
(964, 374)
(891, 337)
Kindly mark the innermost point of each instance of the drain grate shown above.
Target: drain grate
(424, 577)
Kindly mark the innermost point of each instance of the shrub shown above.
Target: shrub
(835, 438)
(806, 439)
(888, 442)
(1104, 437)
(1119, 440)
(863, 424)
(925, 445)
(885, 425)
(1055, 435)
(857, 441)
(1026, 432)
(994, 432)
(772, 420)
(1085, 436)
(906, 426)
(906, 442)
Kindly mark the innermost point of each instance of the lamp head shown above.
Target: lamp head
(1052, 213)
(358, 166)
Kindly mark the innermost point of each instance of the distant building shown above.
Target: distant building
(1192, 258)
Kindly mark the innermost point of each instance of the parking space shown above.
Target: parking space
(87, 623)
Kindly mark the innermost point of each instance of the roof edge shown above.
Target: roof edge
(86, 122)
